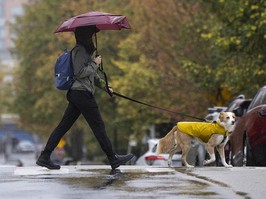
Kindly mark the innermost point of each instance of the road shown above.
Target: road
(97, 181)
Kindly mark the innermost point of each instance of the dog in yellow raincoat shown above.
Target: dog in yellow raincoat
(210, 134)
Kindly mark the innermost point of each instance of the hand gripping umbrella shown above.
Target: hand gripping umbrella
(102, 20)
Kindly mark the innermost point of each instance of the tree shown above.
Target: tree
(7, 93)
(233, 33)
(149, 64)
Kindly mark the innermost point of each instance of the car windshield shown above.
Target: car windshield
(259, 99)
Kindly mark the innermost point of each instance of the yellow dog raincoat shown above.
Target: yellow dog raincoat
(202, 130)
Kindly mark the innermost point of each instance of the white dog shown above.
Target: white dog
(211, 134)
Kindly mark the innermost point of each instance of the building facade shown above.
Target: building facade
(9, 9)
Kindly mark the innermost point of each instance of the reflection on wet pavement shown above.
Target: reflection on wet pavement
(140, 183)
(220, 184)
(129, 182)
(100, 179)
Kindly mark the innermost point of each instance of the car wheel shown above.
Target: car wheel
(248, 159)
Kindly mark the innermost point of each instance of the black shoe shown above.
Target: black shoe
(45, 161)
(118, 160)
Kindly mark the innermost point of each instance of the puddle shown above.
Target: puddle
(141, 184)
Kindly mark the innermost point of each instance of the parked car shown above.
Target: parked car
(247, 146)
(25, 146)
(152, 159)
(214, 112)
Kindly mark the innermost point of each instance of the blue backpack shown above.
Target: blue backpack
(64, 74)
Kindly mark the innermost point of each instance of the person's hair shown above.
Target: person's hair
(91, 48)
(84, 35)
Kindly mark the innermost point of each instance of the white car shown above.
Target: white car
(25, 146)
(213, 113)
(152, 159)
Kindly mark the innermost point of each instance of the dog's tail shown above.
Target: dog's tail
(167, 142)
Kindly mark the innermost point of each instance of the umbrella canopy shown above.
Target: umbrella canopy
(102, 20)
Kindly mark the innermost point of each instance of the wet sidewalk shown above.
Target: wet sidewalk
(99, 181)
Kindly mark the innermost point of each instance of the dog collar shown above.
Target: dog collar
(225, 132)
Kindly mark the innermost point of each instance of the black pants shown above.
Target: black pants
(81, 102)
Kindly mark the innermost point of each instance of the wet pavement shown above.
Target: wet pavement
(98, 181)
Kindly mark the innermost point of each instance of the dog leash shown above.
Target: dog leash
(101, 69)
(156, 107)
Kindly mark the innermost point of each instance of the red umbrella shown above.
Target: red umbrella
(102, 20)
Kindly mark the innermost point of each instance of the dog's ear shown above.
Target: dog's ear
(222, 116)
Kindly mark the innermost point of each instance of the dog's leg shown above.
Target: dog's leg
(185, 151)
(171, 154)
(184, 142)
(210, 150)
(220, 149)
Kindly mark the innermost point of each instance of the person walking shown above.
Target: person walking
(81, 101)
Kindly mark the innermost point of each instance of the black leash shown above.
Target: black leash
(156, 107)
(139, 102)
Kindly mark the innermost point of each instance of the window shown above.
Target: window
(259, 99)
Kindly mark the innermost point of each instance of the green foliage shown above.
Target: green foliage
(6, 92)
(36, 48)
(234, 32)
